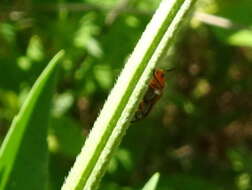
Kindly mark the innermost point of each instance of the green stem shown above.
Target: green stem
(123, 100)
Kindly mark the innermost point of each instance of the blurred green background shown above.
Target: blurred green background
(198, 136)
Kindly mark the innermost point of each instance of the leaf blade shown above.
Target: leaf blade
(24, 142)
(152, 182)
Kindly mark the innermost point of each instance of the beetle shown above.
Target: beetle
(152, 95)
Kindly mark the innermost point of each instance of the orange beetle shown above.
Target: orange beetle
(154, 92)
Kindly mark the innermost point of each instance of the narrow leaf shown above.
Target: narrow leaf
(24, 154)
(152, 183)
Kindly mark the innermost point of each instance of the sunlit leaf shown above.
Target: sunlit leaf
(152, 183)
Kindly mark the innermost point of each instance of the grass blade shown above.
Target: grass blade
(152, 183)
(24, 154)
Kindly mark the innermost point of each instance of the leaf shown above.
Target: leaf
(152, 183)
(24, 153)
(241, 38)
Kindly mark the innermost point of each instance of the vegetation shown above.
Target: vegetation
(198, 136)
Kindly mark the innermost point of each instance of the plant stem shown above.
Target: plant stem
(123, 100)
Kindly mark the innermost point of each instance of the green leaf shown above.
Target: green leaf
(241, 38)
(24, 153)
(152, 183)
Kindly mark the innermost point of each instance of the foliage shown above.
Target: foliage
(199, 133)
